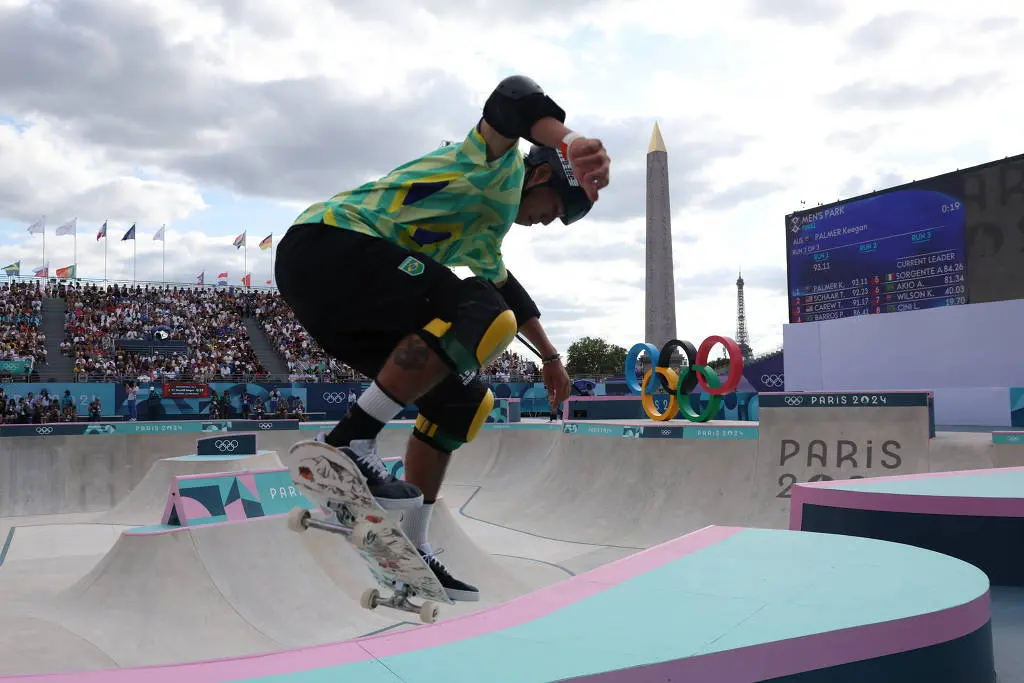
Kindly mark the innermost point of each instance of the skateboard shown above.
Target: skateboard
(352, 512)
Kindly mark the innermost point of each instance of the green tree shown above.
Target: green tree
(591, 355)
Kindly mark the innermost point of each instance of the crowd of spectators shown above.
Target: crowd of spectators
(303, 357)
(21, 313)
(213, 341)
(44, 408)
(511, 367)
(152, 333)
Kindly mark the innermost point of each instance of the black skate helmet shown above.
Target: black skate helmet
(563, 181)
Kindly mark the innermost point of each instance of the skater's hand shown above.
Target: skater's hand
(590, 164)
(557, 382)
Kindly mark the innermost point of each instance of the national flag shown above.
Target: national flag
(889, 277)
(160, 233)
(247, 280)
(68, 228)
(103, 232)
(38, 227)
(199, 280)
(130, 235)
(66, 273)
(270, 282)
(239, 241)
(42, 271)
(267, 242)
(13, 270)
(222, 276)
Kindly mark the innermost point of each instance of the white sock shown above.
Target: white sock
(376, 403)
(416, 525)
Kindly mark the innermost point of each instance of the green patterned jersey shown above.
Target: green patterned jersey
(451, 204)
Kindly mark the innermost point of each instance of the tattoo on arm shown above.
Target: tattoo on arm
(412, 354)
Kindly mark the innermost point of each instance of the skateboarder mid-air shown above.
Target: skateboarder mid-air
(366, 274)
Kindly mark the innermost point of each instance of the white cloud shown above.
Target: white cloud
(148, 108)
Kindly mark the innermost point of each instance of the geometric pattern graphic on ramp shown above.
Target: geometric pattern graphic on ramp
(147, 500)
(722, 604)
(231, 497)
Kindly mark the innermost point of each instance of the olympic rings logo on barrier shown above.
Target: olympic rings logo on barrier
(44, 430)
(223, 445)
(266, 425)
(773, 381)
(697, 373)
(334, 397)
(794, 400)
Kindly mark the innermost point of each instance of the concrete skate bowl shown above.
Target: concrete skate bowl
(95, 590)
(527, 521)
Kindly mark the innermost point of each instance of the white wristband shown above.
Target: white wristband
(567, 143)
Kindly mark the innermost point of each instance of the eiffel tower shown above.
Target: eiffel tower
(742, 338)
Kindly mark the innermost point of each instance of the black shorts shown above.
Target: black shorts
(349, 293)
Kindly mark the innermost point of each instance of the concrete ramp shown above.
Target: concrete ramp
(145, 504)
(619, 492)
(211, 590)
(166, 595)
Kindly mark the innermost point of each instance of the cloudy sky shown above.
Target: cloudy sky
(218, 116)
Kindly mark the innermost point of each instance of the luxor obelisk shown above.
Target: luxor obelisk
(660, 313)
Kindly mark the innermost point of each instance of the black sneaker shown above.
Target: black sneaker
(390, 492)
(457, 590)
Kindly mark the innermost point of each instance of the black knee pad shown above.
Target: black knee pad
(474, 329)
(452, 413)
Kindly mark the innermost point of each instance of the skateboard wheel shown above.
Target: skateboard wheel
(297, 519)
(363, 535)
(429, 612)
(369, 599)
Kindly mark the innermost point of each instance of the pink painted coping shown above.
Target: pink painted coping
(825, 493)
(817, 651)
(500, 617)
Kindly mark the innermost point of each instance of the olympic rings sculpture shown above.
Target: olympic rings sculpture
(697, 373)
(223, 445)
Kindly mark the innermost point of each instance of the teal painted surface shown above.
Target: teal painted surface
(278, 494)
(758, 586)
(1008, 438)
(983, 484)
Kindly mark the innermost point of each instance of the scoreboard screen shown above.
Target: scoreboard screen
(946, 241)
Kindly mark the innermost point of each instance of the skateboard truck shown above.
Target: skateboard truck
(362, 536)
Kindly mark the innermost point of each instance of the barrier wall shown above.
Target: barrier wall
(331, 401)
(865, 353)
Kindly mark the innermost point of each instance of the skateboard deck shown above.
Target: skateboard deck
(352, 512)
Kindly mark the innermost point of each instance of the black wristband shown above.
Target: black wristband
(518, 300)
(551, 358)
